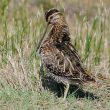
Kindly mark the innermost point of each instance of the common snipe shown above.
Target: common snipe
(59, 56)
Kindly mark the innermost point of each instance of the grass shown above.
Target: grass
(22, 23)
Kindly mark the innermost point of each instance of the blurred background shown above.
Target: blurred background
(22, 23)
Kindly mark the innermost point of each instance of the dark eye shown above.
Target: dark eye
(51, 17)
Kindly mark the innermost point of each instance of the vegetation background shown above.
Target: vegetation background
(22, 24)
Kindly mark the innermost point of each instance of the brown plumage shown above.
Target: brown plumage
(59, 56)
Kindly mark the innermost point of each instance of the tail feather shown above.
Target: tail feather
(103, 77)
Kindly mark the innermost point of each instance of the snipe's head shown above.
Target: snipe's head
(53, 16)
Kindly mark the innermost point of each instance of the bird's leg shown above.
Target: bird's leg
(66, 88)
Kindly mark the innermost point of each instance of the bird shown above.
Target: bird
(59, 56)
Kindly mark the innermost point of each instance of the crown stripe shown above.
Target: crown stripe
(50, 12)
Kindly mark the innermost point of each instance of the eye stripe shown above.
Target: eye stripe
(53, 15)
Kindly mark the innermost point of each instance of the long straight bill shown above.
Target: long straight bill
(40, 42)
